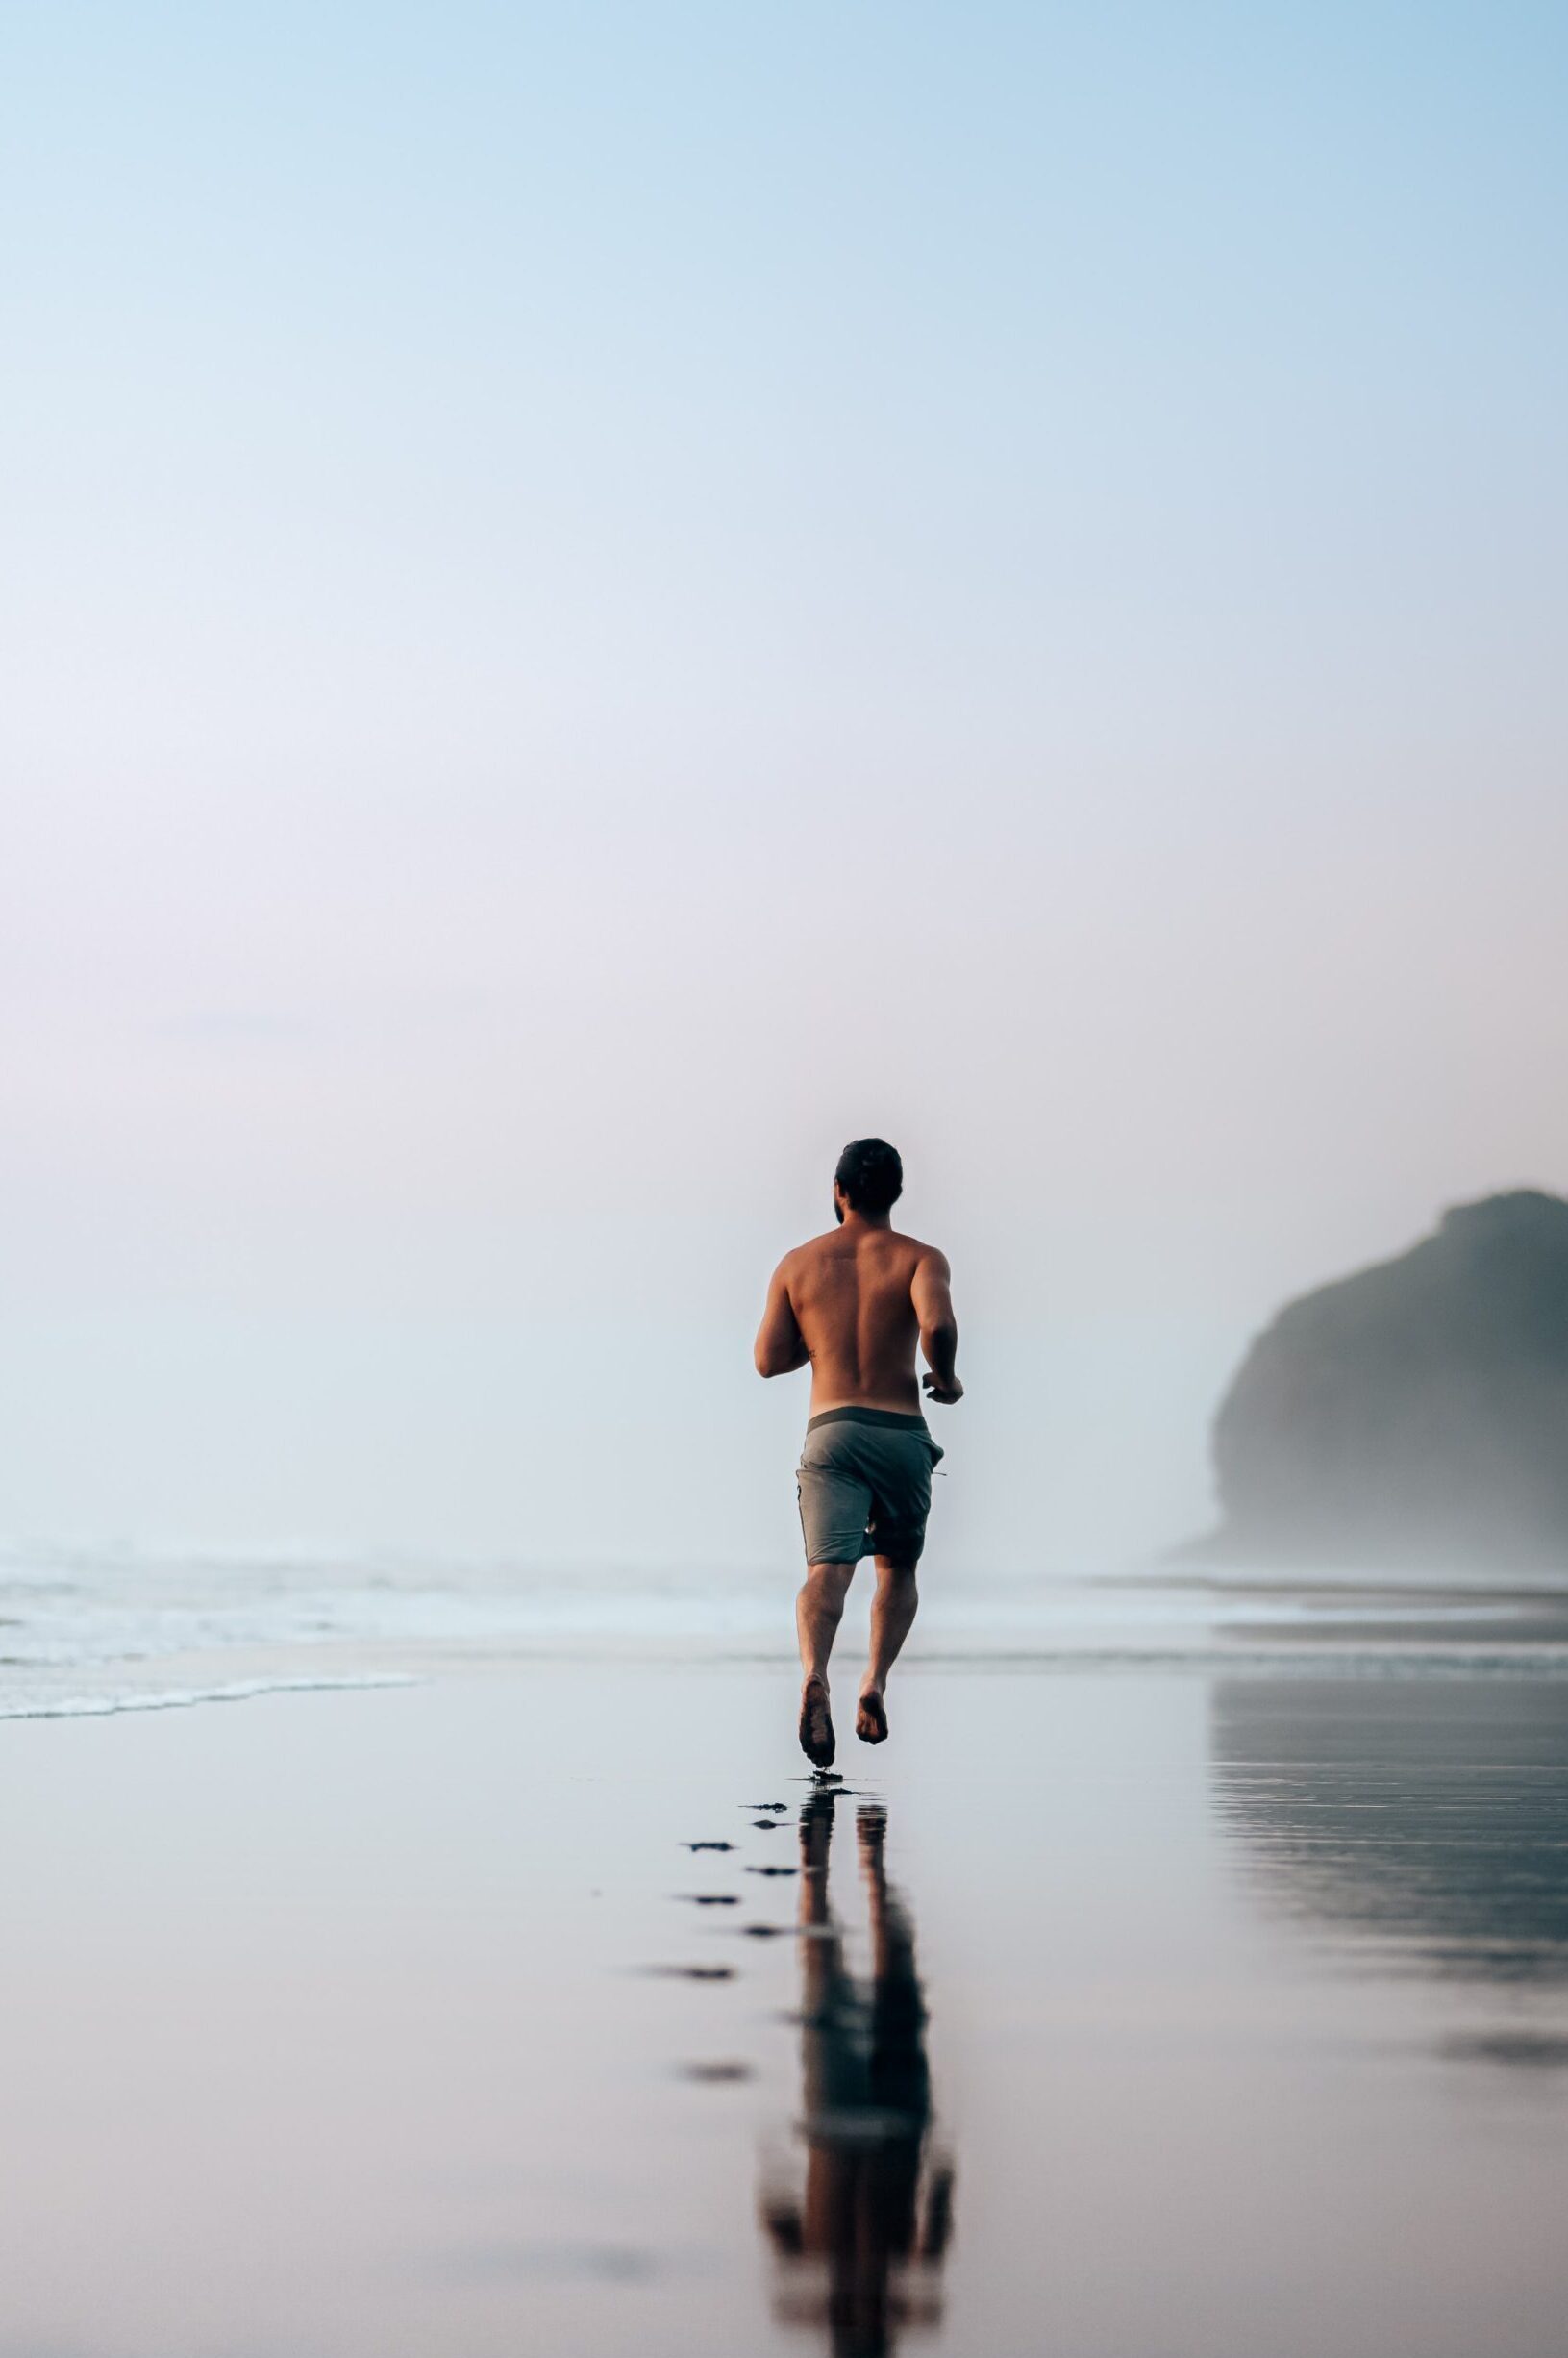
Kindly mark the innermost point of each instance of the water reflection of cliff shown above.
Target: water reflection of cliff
(859, 2244)
(1422, 1820)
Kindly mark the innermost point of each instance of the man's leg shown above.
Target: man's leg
(819, 1607)
(893, 1615)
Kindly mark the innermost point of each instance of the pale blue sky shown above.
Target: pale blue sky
(598, 598)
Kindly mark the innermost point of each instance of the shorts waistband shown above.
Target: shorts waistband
(892, 1419)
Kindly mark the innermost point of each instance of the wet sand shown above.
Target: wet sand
(1128, 2012)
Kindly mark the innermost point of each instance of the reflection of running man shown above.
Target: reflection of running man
(858, 2249)
(855, 1303)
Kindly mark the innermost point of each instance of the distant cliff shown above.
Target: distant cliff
(1416, 1412)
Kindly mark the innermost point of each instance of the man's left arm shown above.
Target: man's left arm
(781, 1347)
(931, 1294)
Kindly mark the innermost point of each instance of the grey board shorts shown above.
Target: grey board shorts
(864, 1485)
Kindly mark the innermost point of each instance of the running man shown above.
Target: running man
(854, 1303)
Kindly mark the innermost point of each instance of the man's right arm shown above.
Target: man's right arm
(781, 1346)
(931, 1292)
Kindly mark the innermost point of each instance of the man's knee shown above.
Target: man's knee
(830, 1579)
(896, 1572)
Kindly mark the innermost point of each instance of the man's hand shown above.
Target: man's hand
(944, 1394)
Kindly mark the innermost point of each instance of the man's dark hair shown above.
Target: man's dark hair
(870, 1173)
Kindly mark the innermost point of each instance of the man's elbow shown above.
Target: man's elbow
(767, 1362)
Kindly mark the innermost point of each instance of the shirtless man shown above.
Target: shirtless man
(854, 1302)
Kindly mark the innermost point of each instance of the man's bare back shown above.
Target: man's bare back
(854, 1305)
(854, 1302)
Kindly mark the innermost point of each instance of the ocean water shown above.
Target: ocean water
(85, 1632)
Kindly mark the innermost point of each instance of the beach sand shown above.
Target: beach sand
(1130, 2013)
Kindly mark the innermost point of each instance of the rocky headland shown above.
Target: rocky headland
(1413, 1414)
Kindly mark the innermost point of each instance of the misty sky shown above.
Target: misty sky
(597, 599)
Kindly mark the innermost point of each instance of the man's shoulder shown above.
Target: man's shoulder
(814, 1248)
(917, 1250)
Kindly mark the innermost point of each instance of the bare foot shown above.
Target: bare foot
(871, 1719)
(818, 1739)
